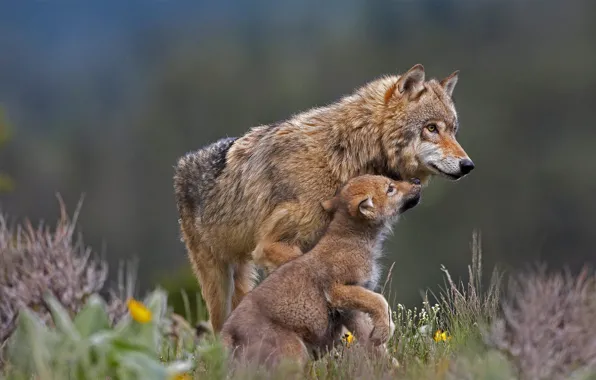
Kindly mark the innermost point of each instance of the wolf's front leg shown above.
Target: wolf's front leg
(273, 255)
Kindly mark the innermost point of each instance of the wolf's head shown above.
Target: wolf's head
(420, 126)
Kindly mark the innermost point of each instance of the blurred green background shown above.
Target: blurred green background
(103, 97)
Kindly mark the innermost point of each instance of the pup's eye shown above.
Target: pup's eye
(391, 190)
(431, 127)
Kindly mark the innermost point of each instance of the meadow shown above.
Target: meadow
(59, 320)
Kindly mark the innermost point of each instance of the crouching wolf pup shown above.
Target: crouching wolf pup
(301, 307)
(244, 200)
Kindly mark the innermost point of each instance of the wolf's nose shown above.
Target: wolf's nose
(415, 181)
(466, 165)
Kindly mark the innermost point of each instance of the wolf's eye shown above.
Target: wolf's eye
(391, 190)
(431, 127)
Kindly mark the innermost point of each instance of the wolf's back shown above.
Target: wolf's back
(196, 174)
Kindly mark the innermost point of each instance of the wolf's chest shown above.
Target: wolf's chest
(311, 227)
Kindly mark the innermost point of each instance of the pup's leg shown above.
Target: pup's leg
(374, 304)
(361, 326)
(272, 348)
(245, 278)
(215, 279)
(292, 347)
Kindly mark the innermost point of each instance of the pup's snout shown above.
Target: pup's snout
(466, 165)
(415, 181)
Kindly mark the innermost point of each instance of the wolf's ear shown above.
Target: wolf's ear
(412, 81)
(367, 208)
(450, 82)
(329, 205)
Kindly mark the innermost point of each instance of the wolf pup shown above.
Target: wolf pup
(259, 196)
(302, 306)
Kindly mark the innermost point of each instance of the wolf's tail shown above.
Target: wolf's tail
(196, 174)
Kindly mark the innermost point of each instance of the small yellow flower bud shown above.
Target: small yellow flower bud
(441, 336)
(138, 311)
(348, 338)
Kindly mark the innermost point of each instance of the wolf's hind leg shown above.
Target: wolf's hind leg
(216, 281)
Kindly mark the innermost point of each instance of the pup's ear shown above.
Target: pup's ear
(367, 208)
(450, 82)
(412, 81)
(329, 205)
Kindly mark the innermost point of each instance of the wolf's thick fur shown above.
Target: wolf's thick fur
(302, 306)
(258, 195)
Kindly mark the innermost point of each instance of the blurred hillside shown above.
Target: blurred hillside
(102, 99)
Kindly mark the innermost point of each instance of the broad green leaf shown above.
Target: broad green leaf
(126, 344)
(93, 318)
(147, 334)
(61, 318)
(141, 366)
(30, 347)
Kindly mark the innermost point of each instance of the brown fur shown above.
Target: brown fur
(302, 305)
(259, 195)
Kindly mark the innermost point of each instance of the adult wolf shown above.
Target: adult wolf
(253, 197)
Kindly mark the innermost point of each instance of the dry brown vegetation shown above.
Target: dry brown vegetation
(36, 260)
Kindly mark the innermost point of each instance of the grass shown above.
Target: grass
(539, 328)
(461, 313)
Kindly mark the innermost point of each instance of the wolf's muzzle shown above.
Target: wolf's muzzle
(466, 165)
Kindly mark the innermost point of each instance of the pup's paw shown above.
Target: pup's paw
(382, 352)
(380, 334)
(391, 324)
(394, 362)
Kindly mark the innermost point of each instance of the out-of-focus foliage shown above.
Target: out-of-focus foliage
(547, 323)
(107, 96)
(88, 347)
(36, 260)
(6, 183)
(185, 295)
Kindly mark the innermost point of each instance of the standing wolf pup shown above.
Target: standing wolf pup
(259, 196)
(302, 306)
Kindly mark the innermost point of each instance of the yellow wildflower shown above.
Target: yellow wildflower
(441, 336)
(348, 338)
(138, 311)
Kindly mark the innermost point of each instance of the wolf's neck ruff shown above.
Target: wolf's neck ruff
(360, 136)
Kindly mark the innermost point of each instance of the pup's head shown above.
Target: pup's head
(421, 125)
(375, 198)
